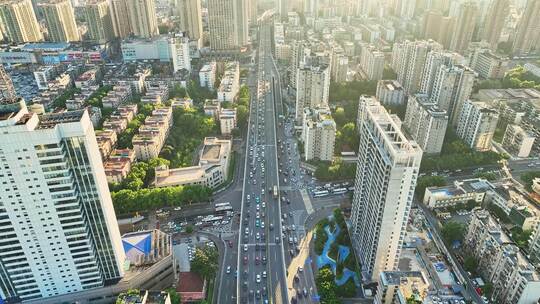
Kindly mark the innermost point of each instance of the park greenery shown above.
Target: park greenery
(490, 176)
(326, 286)
(336, 170)
(457, 155)
(190, 128)
(453, 231)
(205, 262)
(351, 90)
(528, 178)
(60, 101)
(516, 78)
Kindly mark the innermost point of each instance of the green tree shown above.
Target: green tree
(528, 178)
(470, 264)
(189, 229)
(452, 231)
(175, 297)
(428, 181)
(205, 262)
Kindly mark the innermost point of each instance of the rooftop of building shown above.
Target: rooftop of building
(142, 297)
(510, 93)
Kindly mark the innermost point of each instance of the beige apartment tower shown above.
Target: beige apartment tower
(19, 21)
(494, 22)
(142, 18)
(98, 18)
(189, 12)
(60, 20)
(120, 18)
(464, 28)
(528, 31)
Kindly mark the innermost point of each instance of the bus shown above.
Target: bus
(218, 205)
(339, 191)
(275, 191)
(223, 210)
(320, 193)
(212, 219)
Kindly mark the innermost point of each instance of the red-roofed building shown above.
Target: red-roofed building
(191, 287)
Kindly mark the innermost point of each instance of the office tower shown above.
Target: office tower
(426, 123)
(476, 125)
(494, 22)
(390, 92)
(372, 62)
(528, 32)
(120, 18)
(142, 18)
(19, 21)
(99, 22)
(227, 24)
(60, 20)
(434, 61)
(464, 29)
(408, 59)
(7, 91)
(386, 174)
(452, 86)
(59, 231)
(318, 134)
(189, 12)
(312, 87)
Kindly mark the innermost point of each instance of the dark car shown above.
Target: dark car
(245, 260)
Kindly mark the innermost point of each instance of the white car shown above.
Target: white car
(264, 274)
(263, 204)
(258, 278)
(262, 225)
(228, 269)
(245, 247)
(257, 236)
(177, 208)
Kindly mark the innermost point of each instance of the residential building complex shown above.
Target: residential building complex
(494, 22)
(489, 65)
(372, 63)
(518, 141)
(120, 18)
(528, 29)
(60, 20)
(189, 12)
(500, 261)
(142, 18)
(426, 123)
(19, 21)
(464, 29)
(230, 82)
(152, 135)
(318, 134)
(476, 125)
(390, 92)
(312, 87)
(227, 120)
(228, 24)
(207, 75)
(99, 21)
(382, 197)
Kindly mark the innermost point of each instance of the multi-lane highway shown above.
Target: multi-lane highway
(260, 262)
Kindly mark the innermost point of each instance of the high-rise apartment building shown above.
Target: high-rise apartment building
(299, 52)
(386, 174)
(494, 22)
(372, 62)
(438, 27)
(120, 18)
(99, 21)
(59, 231)
(426, 123)
(534, 246)
(253, 12)
(518, 141)
(476, 125)
(489, 65)
(390, 92)
(313, 86)
(501, 262)
(464, 28)
(528, 32)
(451, 87)
(434, 61)
(60, 20)
(408, 60)
(318, 134)
(190, 15)
(227, 24)
(142, 18)
(7, 91)
(19, 21)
